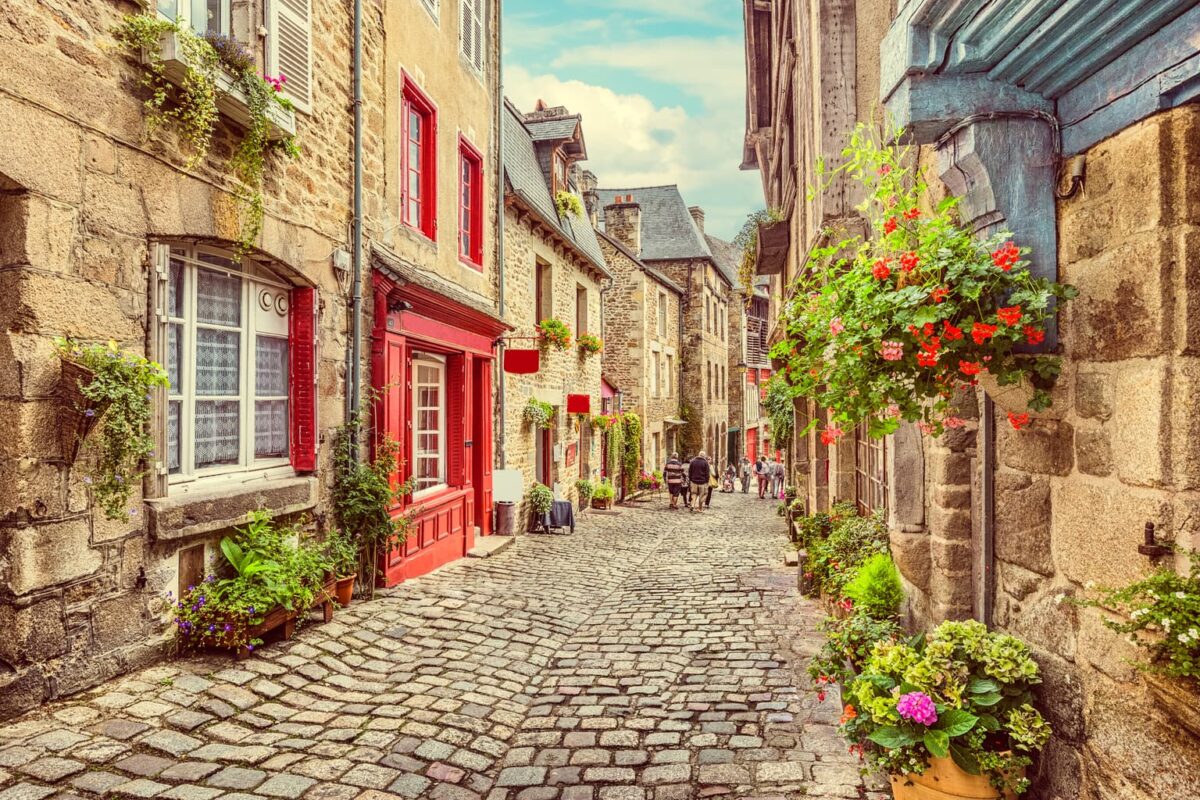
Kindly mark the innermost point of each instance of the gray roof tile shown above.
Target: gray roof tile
(668, 230)
(541, 130)
(727, 255)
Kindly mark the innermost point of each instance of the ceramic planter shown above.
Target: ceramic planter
(345, 589)
(75, 423)
(945, 780)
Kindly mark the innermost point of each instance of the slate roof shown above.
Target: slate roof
(523, 175)
(726, 255)
(668, 230)
(646, 268)
(541, 130)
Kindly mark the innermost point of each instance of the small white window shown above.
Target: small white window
(662, 313)
(429, 424)
(202, 16)
(227, 360)
(470, 37)
(291, 50)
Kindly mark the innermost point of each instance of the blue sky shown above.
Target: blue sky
(660, 85)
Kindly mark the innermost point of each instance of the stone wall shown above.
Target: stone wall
(561, 372)
(632, 340)
(1075, 490)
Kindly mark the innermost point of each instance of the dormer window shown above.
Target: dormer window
(560, 173)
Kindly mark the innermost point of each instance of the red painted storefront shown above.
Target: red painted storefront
(415, 323)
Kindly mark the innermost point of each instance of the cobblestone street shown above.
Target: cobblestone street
(651, 655)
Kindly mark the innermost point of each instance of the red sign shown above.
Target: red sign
(572, 449)
(579, 404)
(522, 362)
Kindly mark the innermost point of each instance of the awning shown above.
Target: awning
(674, 421)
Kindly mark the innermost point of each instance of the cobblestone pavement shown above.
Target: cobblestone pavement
(651, 655)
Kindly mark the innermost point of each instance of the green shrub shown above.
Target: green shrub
(585, 489)
(832, 561)
(848, 642)
(540, 498)
(875, 587)
(604, 490)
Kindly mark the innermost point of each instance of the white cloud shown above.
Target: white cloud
(689, 10)
(633, 142)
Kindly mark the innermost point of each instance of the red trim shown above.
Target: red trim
(470, 203)
(416, 103)
(302, 378)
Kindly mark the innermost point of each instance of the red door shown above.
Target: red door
(481, 446)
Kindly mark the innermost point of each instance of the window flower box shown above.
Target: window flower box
(231, 100)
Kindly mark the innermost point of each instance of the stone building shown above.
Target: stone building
(553, 269)
(642, 327)
(988, 521)
(109, 233)
(657, 225)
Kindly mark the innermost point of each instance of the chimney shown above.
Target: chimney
(587, 186)
(623, 222)
(698, 216)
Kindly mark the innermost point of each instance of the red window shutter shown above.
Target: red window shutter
(457, 428)
(302, 347)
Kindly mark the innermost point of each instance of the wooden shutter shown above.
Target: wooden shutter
(458, 428)
(155, 483)
(471, 32)
(302, 378)
(291, 50)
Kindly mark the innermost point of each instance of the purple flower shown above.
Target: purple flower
(251, 609)
(917, 707)
(228, 627)
(250, 647)
(133, 512)
(87, 479)
(89, 413)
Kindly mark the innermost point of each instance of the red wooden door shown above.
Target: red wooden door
(481, 445)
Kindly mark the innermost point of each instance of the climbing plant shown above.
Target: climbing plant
(781, 410)
(632, 456)
(616, 446)
(747, 242)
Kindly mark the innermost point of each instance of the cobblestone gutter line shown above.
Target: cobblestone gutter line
(652, 655)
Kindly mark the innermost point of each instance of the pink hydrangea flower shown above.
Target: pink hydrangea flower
(917, 707)
(891, 351)
(836, 326)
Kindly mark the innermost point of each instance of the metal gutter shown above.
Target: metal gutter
(355, 376)
(988, 532)
(500, 384)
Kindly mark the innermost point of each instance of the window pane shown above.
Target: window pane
(218, 298)
(270, 367)
(174, 434)
(218, 362)
(167, 8)
(217, 429)
(270, 429)
(175, 289)
(175, 357)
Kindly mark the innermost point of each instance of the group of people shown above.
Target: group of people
(694, 479)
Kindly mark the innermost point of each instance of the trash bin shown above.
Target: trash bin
(506, 515)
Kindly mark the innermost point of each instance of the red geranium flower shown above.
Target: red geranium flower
(981, 332)
(1018, 421)
(1034, 335)
(831, 435)
(970, 368)
(939, 294)
(881, 269)
(950, 332)
(885, 169)
(1006, 256)
(912, 213)
(927, 359)
(909, 261)
(1010, 315)
(890, 225)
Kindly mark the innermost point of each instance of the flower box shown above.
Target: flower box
(602, 503)
(326, 598)
(278, 618)
(78, 415)
(945, 780)
(231, 101)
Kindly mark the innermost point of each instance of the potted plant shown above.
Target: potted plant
(343, 556)
(555, 333)
(568, 204)
(105, 385)
(538, 413)
(602, 496)
(886, 326)
(589, 344)
(950, 713)
(541, 499)
(585, 488)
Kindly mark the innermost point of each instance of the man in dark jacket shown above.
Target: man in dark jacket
(673, 472)
(699, 473)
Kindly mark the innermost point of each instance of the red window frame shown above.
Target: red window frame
(470, 204)
(419, 212)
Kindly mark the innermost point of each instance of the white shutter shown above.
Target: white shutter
(155, 482)
(467, 41)
(291, 49)
(478, 7)
(432, 7)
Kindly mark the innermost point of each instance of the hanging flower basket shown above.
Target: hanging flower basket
(554, 333)
(78, 414)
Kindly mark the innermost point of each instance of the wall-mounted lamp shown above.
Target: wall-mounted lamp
(341, 269)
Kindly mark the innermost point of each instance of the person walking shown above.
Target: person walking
(761, 472)
(744, 470)
(673, 472)
(778, 479)
(699, 473)
(712, 483)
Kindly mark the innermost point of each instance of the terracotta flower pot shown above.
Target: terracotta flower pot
(945, 780)
(345, 589)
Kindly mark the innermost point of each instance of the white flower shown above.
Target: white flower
(1195, 634)
(1166, 623)
(1183, 638)
(1058, 598)
(1181, 595)
(1090, 585)
(1141, 612)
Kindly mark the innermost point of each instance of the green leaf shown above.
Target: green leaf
(890, 737)
(937, 742)
(924, 314)
(956, 722)
(983, 686)
(987, 699)
(989, 723)
(965, 759)
(233, 553)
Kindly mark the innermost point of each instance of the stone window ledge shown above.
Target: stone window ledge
(198, 513)
(231, 100)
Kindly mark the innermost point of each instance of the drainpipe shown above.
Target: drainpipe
(987, 610)
(500, 394)
(355, 377)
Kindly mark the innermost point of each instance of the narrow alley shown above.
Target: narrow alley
(650, 655)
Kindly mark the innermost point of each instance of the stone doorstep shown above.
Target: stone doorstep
(488, 546)
(791, 558)
(196, 513)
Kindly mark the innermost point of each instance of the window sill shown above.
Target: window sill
(200, 512)
(231, 100)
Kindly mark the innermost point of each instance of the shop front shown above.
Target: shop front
(432, 363)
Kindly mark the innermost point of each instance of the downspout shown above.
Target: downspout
(987, 611)
(352, 395)
(500, 404)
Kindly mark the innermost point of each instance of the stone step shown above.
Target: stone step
(487, 546)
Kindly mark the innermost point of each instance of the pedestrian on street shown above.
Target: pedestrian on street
(761, 472)
(673, 472)
(744, 470)
(699, 473)
(778, 478)
(712, 483)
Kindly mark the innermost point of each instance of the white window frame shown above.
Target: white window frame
(434, 7)
(669, 365)
(252, 280)
(183, 15)
(439, 363)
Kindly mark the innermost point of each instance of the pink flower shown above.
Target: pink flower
(925, 427)
(893, 411)
(954, 422)
(836, 326)
(917, 707)
(831, 435)
(891, 351)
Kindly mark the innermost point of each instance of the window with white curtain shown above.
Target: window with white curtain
(227, 359)
(202, 16)
(429, 423)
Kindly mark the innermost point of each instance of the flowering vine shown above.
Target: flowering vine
(886, 327)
